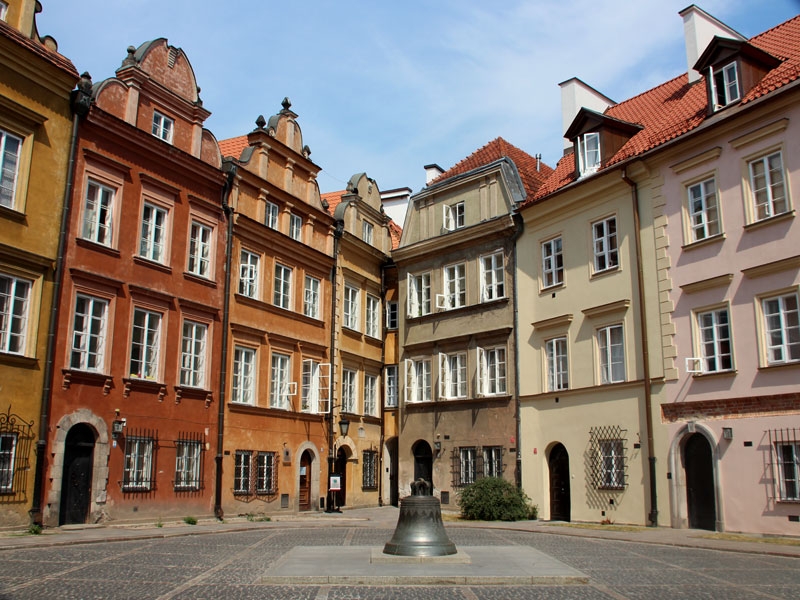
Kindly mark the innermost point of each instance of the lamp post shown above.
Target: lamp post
(344, 427)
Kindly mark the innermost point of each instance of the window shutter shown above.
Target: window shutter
(482, 374)
(409, 375)
(412, 304)
(444, 375)
(324, 389)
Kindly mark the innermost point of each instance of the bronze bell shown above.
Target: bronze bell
(420, 531)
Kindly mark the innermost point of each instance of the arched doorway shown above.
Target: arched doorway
(558, 464)
(700, 500)
(341, 470)
(76, 479)
(306, 461)
(423, 462)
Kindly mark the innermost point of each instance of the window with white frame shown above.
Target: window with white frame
(314, 383)
(714, 332)
(281, 388)
(349, 391)
(392, 315)
(468, 465)
(419, 295)
(768, 186)
(369, 470)
(242, 471)
(604, 236)
(418, 380)
(248, 274)
(145, 344)
(492, 276)
(611, 349)
(390, 386)
(10, 147)
(492, 461)
(98, 216)
(724, 85)
(311, 297)
(557, 364)
(266, 471)
(281, 294)
(163, 127)
(491, 371)
(271, 216)
(373, 316)
(371, 395)
(781, 328)
(588, 153)
(193, 354)
(612, 461)
(453, 216)
(200, 250)
(453, 375)
(351, 307)
(367, 230)
(703, 210)
(552, 263)
(455, 286)
(138, 472)
(15, 296)
(89, 334)
(296, 227)
(788, 453)
(244, 375)
(187, 465)
(8, 454)
(152, 244)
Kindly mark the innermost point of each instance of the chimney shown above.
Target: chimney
(432, 171)
(699, 28)
(576, 95)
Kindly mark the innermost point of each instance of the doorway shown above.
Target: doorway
(76, 479)
(392, 460)
(558, 464)
(423, 462)
(305, 481)
(700, 498)
(341, 470)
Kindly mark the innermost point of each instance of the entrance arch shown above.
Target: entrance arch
(341, 469)
(423, 462)
(558, 464)
(76, 479)
(699, 472)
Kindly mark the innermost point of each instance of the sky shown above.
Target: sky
(387, 87)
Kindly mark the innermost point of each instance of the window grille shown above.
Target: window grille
(16, 438)
(255, 474)
(785, 463)
(608, 456)
(266, 478)
(189, 461)
(369, 470)
(470, 463)
(141, 448)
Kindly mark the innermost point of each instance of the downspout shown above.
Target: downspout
(653, 516)
(384, 266)
(80, 102)
(229, 168)
(338, 232)
(519, 228)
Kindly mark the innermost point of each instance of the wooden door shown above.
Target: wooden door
(305, 481)
(558, 463)
(700, 500)
(76, 481)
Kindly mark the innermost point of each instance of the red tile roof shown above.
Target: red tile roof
(396, 232)
(498, 148)
(677, 107)
(233, 146)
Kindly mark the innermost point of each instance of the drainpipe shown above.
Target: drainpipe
(229, 167)
(80, 102)
(653, 516)
(386, 264)
(338, 232)
(519, 227)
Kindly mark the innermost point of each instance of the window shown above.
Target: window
(97, 214)
(241, 471)
(390, 385)
(14, 307)
(468, 465)
(453, 375)
(248, 274)
(266, 468)
(283, 286)
(373, 316)
(612, 354)
(588, 153)
(557, 365)
(244, 370)
(351, 308)
(280, 386)
(453, 216)
(782, 329)
(8, 452)
(767, 186)
(703, 212)
(724, 85)
(311, 297)
(493, 461)
(789, 470)
(369, 470)
(491, 371)
(715, 340)
(366, 232)
(162, 127)
(612, 461)
(145, 341)
(391, 315)
(296, 227)
(138, 471)
(349, 391)
(418, 380)
(10, 146)
(3, 10)
(455, 292)
(604, 234)
(187, 465)
(153, 239)
(492, 277)
(370, 395)
(552, 263)
(193, 354)
(419, 295)
(316, 379)
(89, 334)
(200, 250)
(271, 217)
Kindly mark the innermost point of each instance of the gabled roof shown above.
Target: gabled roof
(677, 107)
(36, 47)
(532, 177)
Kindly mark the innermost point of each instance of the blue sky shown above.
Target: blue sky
(388, 87)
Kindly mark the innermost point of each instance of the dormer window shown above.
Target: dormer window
(162, 127)
(724, 85)
(588, 153)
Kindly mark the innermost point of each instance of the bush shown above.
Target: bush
(190, 520)
(495, 499)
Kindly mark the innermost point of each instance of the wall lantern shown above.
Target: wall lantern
(437, 446)
(116, 427)
(727, 433)
(344, 427)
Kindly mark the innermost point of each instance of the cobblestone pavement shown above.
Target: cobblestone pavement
(229, 564)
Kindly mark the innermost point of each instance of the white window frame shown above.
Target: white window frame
(282, 290)
(553, 262)
(349, 391)
(98, 213)
(242, 472)
(390, 386)
(370, 395)
(604, 244)
(492, 461)
(271, 215)
(243, 382)
(163, 126)
(314, 383)
(266, 467)
(352, 308)
(780, 322)
(454, 279)
(492, 371)
(280, 386)
(392, 315)
(419, 295)
(296, 227)
(703, 210)
(138, 470)
(589, 152)
(15, 307)
(200, 249)
(249, 273)
(453, 375)
(468, 465)
(556, 351)
(89, 331)
(610, 367)
(788, 464)
(724, 85)
(367, 232)
(194, 349)
(714, 339)
(453, 216)
(187, 465)
(11, 147)
(311, 292)
(373, 310)
(417, 380)
(768, 186)
(153, 236)
(493, 272)
(148, 365)
(8, 456)
(612, 463)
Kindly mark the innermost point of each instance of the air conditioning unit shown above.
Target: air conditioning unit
(694, 365)
(441, 302)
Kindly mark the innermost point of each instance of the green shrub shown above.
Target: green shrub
(35, 529)
(495, 499)
(190, 520)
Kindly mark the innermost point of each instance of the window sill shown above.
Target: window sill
(193, 393)
(200, 279)
(778, 366)
(770, 221)
(551, 289)
(143, 385)
(714, 374)
(710, 240)
(605, 272)
(18, 360)
(70, 376)
(146, 262)
(12, 215)
(90, 245)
